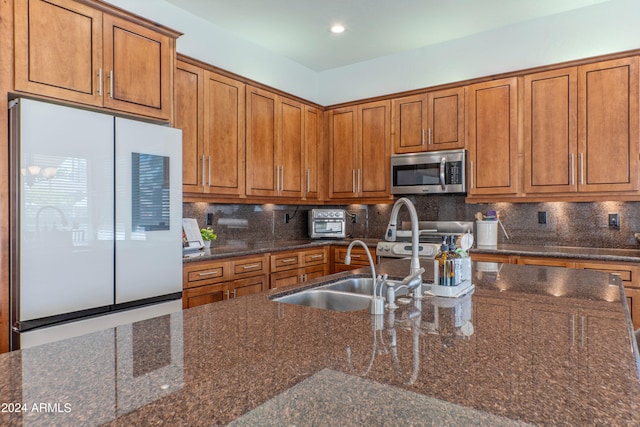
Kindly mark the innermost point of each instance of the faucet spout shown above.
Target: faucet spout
(415, 232)
(415, 235)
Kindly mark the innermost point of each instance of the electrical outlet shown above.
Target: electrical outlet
(286, 218)
(209, 219)
(542, 217)
(614, 220)
(354, 218)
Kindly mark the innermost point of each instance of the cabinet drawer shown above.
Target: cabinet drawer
(249, 267)
(315, 257)
(285, 261)
(627, 273)
(198, 275)
(358, 256)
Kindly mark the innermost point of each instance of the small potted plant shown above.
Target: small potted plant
(208, 235)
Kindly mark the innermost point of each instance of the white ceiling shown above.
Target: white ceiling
(299, 29)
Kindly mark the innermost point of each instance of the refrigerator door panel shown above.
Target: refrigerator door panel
(148, 210)
(65, 209)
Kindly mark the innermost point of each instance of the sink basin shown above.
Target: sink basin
(361, 286)
(349, 294)
(328, 300)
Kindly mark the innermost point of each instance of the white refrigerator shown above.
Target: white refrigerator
(96, 220)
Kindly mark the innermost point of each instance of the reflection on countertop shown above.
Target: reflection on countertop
(548, 346)
(587, 253)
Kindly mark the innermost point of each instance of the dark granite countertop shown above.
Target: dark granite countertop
(220, 250)
(534, 345)
(592, 254)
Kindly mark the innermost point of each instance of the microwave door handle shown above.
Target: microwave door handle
(443, 162)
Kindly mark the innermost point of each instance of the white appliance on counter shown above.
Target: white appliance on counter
(430, 240)
(96, 218)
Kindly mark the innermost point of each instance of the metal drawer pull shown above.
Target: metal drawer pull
(209, 273)
(315, 256)
(246, 267)
(288, 260)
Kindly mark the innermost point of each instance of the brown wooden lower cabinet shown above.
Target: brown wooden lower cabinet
(359, 259)
(205, 282)
(203, 295)
(628, 272)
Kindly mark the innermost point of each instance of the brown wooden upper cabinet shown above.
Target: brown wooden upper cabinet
(72, 51)
(312, 153)
(274, 138)
(551, 131)
(429, 121)
(359, 143)
(581, 128)
(493, 137)
(209, 108)
(608, 125)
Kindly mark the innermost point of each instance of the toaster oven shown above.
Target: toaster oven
(327, 223)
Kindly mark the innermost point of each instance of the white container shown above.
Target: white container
(487, 233)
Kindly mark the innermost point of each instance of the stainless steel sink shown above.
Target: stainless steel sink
(328, 300)
(361, 285)
(349, 294)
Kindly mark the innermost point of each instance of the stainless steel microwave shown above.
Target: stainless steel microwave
(434, 172)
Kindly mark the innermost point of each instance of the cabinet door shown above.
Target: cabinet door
(608, 125)
(261, 127)
(342, 140)
(286, 278)
(550, 131)
(409, 115)
(445, 124)
(312, 153)
(58, 50)
(201, 295)
(290, 145)
(493, 137)
(253, 285)
(224, 135)
(188, 95)
(374, 154)
(139, 63)
(315, 272)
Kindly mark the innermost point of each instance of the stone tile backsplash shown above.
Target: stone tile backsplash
(568, 224)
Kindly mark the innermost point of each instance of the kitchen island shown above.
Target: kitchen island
(530, 345)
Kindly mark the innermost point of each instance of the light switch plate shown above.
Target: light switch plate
(614, 220)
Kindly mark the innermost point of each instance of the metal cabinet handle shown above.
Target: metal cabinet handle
(209, 171)
(202, 169)
(288, 260)
(208, 273)
(100, 82)
(470, 174)
(353, 180)
(282, 180)
(234, 293)
(315, 256)
(573, 170)
(359, 179)
(308, 180)
(422, 137)
(248, 266)
(111, 83)
(581, 166)
(429, 138)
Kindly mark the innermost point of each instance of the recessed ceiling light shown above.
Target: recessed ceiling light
(337, 29)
